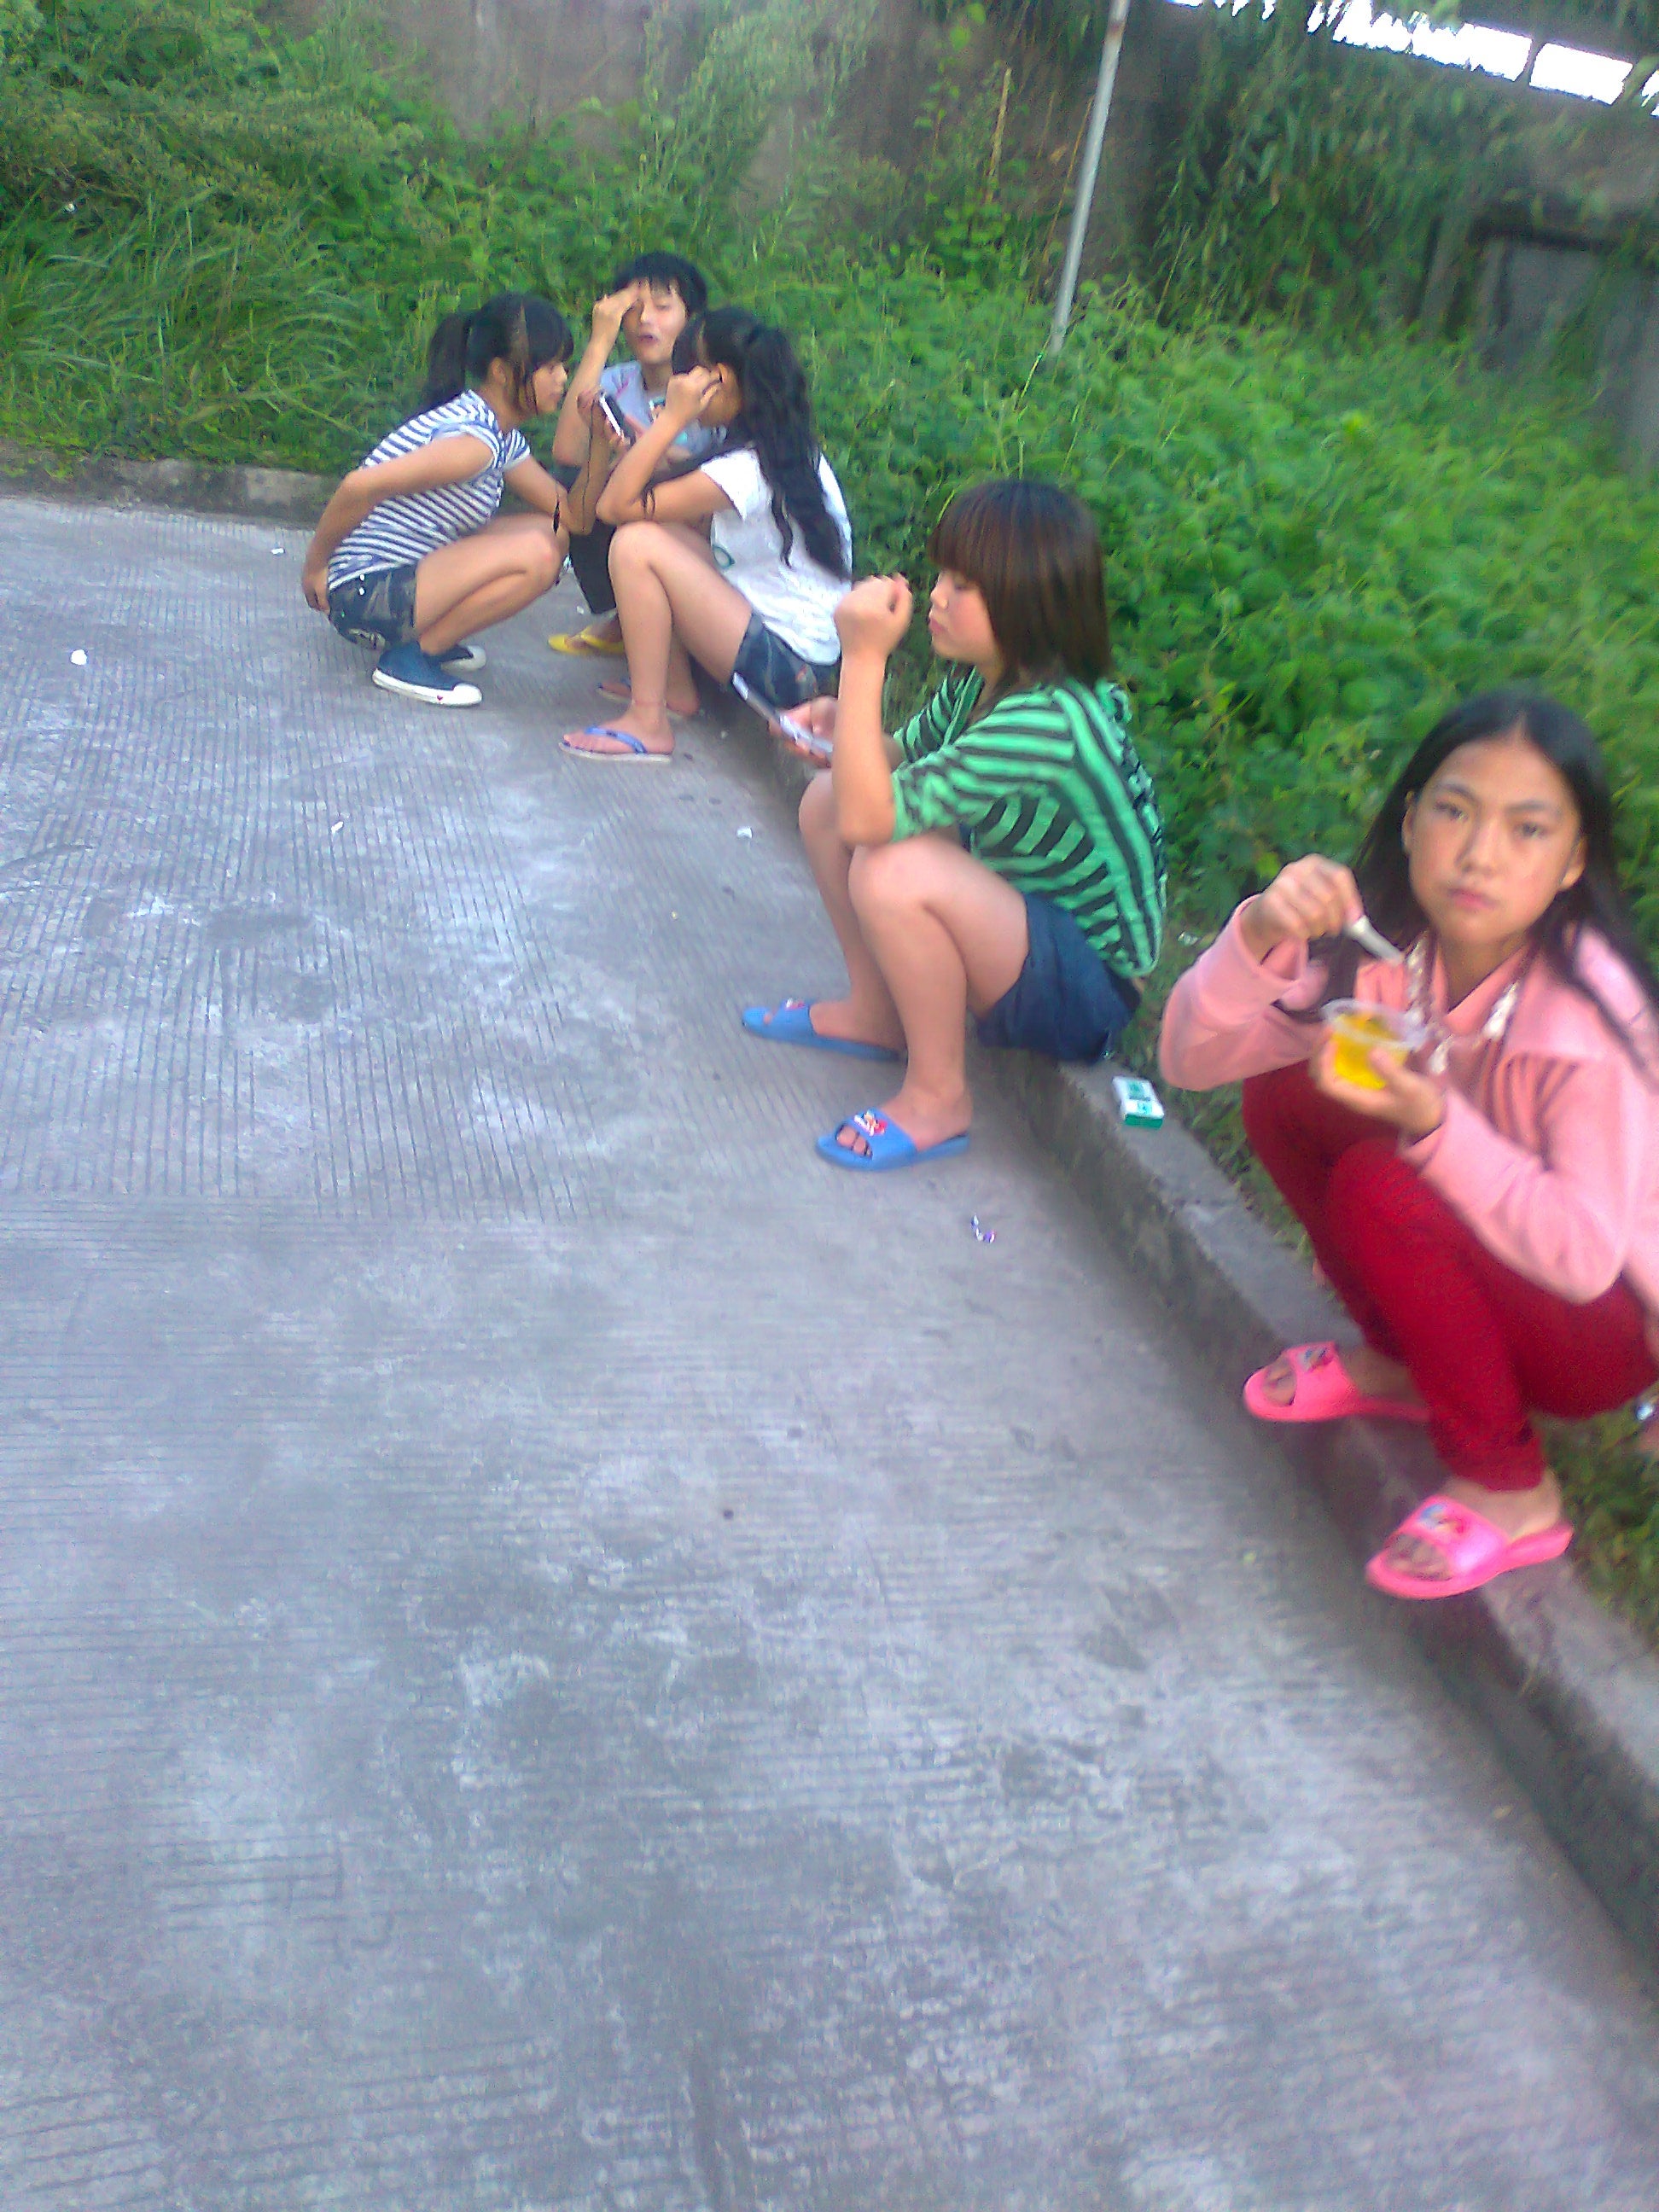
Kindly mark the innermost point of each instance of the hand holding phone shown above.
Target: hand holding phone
(615, 421)
(803, 738)
(822, 749)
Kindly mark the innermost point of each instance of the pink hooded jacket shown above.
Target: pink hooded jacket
(1549, 1148)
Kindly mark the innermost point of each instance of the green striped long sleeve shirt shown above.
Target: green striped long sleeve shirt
(1047, 789)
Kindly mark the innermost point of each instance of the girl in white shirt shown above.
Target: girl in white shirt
(738, 563)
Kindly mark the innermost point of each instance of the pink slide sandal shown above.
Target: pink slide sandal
(1474, 1551)
(1324, 1391)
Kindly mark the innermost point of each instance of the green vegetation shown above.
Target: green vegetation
(218, 242)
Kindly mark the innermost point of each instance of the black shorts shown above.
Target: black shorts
(377, 610)
(777, 675)
(1065, 1001)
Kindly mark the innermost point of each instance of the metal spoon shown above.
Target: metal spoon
(1373, 941)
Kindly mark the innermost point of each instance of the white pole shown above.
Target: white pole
(1085, 183)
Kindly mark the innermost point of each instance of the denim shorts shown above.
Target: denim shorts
(1065, 1001)
(377, 610)
(777, 673)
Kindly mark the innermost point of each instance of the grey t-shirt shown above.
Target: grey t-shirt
(624, 385)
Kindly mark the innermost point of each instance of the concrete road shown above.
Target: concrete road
(557, 1652)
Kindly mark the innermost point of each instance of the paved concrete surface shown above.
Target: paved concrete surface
(557, 1652)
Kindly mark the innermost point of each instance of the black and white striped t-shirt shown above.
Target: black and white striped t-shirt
(408, 528)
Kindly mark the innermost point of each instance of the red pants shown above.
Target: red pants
(1484, 1346)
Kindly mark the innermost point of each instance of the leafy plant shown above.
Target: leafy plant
(1312, 179)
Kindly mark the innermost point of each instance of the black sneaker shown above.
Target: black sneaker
(463, 659)
(417, 675)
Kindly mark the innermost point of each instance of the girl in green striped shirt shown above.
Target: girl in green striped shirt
(1002, 852)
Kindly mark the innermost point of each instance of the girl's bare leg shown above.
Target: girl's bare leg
(667, 590)
(483, 578)
(947, 934)
(867, 1012)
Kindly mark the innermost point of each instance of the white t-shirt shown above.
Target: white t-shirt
(408, 528)
(796, 598)
(623, 385)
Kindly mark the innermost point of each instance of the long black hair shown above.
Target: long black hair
(1383, 869)
(776, 422)
(518, 328)
(1033, 552)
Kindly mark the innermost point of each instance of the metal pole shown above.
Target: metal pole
(1085, 183)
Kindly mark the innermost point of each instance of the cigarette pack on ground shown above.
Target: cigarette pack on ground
(1139, 1106)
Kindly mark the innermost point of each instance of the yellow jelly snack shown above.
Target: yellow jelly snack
(1359, 1034)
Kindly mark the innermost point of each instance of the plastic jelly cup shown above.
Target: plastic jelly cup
(1360, 1030)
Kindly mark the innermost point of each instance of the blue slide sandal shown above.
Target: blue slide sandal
(890, 1147)
(634, 749)
(791, 1023)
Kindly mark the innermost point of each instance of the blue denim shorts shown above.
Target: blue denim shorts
(1065, 1001)
(777, 673)
(377, 610)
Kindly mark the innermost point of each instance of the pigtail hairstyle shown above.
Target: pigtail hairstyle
(777, 424)
(446, 361)
(1383, 869)
(516, 328)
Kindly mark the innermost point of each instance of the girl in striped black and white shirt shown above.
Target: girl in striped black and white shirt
(410, 555)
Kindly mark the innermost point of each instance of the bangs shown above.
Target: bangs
(1032, 552)
(973, 536)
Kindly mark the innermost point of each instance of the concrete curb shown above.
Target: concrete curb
(261, 495)
(1570, 1694)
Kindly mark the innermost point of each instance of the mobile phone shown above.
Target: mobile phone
(820, 748)
(607, 406)
(809, 740)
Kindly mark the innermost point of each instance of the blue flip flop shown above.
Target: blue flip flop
(637, 749)
(790, 1022)
(890, 1147)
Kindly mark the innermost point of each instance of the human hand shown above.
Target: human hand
(610, 312)
(1409, 1101)
(1311, 897)
(874, 616)
(597, 422)
(314, 582)
(688, 393)
(818, 715)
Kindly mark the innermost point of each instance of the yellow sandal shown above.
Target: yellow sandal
(582, 642)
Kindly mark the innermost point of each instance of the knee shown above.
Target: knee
(1374, 1196)
(818, 810)
(546, 558)
(632, 547)
(1269, 1104)
(885, 878)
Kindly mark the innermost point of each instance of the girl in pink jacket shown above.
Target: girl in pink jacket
(1487, 1207)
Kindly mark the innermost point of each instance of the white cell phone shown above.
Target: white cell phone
(607, 406)
(809, 740)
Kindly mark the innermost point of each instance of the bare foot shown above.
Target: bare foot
(856, 1023)
(1517, 1512)
(651, 732)
(1370, 1372)
(925, 1119)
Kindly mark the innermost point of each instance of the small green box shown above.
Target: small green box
(1139, 1106)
